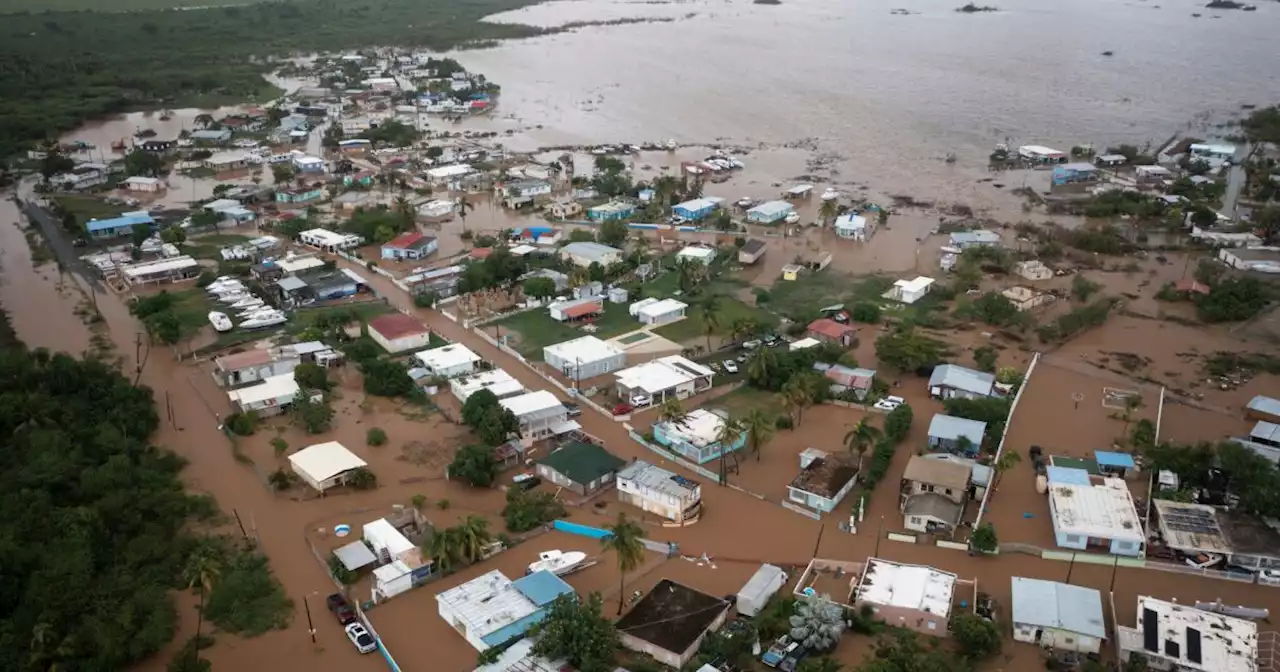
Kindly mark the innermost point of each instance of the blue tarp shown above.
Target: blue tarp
(1106, 458)
(124, 221)
(542, 587)
(1067, 475)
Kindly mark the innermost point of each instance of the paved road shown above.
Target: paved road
(57, 238)
(1235, 180)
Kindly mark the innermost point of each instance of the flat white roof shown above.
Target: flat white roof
(497, 381)
(325, 460)
(531, 403)
(326, 236)
(771, 208)
(299, 264)
(447, 357)
(1225, 643)
(851, 222)
(662, 307)
(456, 170)
(1100, 511)
(487, 604)
(1039, 150)
(583, 350)
(914, 285)
(138, 179)
(700, 203)
(382, 533)
(273, 387)
(161, 266)
(662, 374)
(700, 427)
(804, 343)
(907, 586)
(696, 252)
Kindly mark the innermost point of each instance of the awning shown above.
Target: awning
(564, 427)
(1114, 460)
(355, 555)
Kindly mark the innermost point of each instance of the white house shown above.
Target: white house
(497, 381)
(976, 238)
(270, 397)
(540, 414)
(771, 212)
(823, 481)
(449, 361)
(400, 559)
(655, 312)
(1173, 636)
(397, 332)
(700, 253)
(587, 253)
(1034, 270)
(909, 291)
(672, 376)
(491, 610)
(1259, 259)
(325, 465)
(1086, 514)
(584, 358)
(329, 241)
(139, 183)
(914, 597)
(854, 227)
(661, 492)
(1058, 616)
(308, 164)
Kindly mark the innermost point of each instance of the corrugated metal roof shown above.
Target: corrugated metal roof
(951, 428)
(1266, 405)
(1049, 604)
(961, 378)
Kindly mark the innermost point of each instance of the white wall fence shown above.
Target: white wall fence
(1026, 380)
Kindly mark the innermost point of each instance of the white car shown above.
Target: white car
(361, 638)
(889, 403)
(730, 366)
(641, 400)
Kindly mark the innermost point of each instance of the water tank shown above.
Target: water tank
(1042, 484)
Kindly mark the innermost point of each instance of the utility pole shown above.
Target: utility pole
(311, 627)
(240, 523)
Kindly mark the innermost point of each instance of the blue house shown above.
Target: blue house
(698, 208)
(956, 435)
(299, 195)
(974, 238)
(492, 610)
(697, 436)
(118, 226)
(611, 211)
(1069, 173)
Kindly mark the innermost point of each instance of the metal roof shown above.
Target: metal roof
(961, 378)
(1106, 458)
(1266, 405)
(355, 555)
(1049, 604)
(951, 428)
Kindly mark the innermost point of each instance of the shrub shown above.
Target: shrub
(362, 479)
(419, 501)
(866, 312)
(527, 510)
(242, 424)
(443, 505)
(474, 464)
(426, 299)
(984, 539)
(279, 445)
(898, 423)
(376, 436)
(784, 422)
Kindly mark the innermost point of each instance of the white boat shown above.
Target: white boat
(250, 301)
(220, 321)
(830, 194)
(255, 312)
(557, 562)
(226, 288)
(793, 217)
(233, 297)
(267, 319)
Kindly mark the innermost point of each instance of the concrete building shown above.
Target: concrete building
(587, 253)
(116, 227)
(824, 480)
(956, 435)
(854, 227)
(401, 565)
(1025, 298)
(670, 623)
(949, 381)
(653, 382)
(610, 211)
(770, 212)
(497, 381)
(1034, 270)
(1058, 616)
(144, 184)
(156, 271)
(397, 332)
(540, 414)
(914, 597)
(583, 468)
(697, 437)
(449, 361)
(1257, 259)
(584, 358)
(329, 241)
(830, 331)
(657, 312)
(492, 610)
(325, 465)
(253, 366)
(273, 396)
(1173, 636)
(909, 291)
(409, 246)
(1262, 408)
(1086, 514)
(701, 254)
(660, 492)
(751, 252)
(933, 494)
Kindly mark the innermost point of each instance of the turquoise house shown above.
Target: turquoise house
(364, 178)
(611, 211)
(697, 436)
(299, 195)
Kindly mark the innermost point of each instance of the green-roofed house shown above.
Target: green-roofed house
(581, 467)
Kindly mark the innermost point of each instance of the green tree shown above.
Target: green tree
(497, 425)
(1144, 434)
(898, 423)
(577, 631)
(828, 211)
(985, 358)
(671, 411)
(613, 233)
(474, 464)
(202, 568)
(984, 539)
(761, 366)
(311, 376)
(710, 306)
(246, 599)
(860, 438)
(1233, 300)
(625, 539)
(473, 538)
(386, 378)
(445, 549)
(314, 416)
(689, 274)
(540, 288)
(139, 234)
(996, 310)
(727, 436)
(908, 350)
(866, 312)
(173, 235)
(1082, 288)
(375, 436)
(361, 478)
(143, 163)
(1009, 458)
(528, 509)
(822, 664)
(760, 428)
(978, 637)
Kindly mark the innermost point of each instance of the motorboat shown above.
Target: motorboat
(793, 217)
(557, 562)
(220, 321)
(830, 194)
(250, 301)
(265, 319)
(254, 312)
(232, 297)
(259, 305)
(226, 287)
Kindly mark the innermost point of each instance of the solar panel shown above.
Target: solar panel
(1196, 521)
(1150, 630)
(1193, 645)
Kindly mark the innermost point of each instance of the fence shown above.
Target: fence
(1026, 380)
(808, 513)
(563, 388)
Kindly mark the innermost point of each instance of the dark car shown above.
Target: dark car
(526, 481)
(345, 613)
(792, 661)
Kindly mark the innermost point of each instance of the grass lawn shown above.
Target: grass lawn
(210, 246)
(362, 311)
(693, 326)
(746, 398)
(801, 299)
(192, 307)
(86, 208)
(537, 329)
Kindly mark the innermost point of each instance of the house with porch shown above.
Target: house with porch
(697, 436)
(933, 494)
(655, 490)
(540, 414)
(663, 378)
(949, 381)
(409, 246)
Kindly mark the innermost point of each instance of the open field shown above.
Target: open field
(537, 330)
(85, 208)
(693, 328)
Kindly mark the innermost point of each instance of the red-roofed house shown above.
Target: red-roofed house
(1191, 286)
(480, 252)
(398, 332)
(411, 245)
(575, 309)
(830, 331)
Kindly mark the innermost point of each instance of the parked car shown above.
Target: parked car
(890, 403)
(841, 317)
(777, 651)
(772, 340)
(792, 661)
(361, 638)
(750, 345)
(641, 400)
(342, 610)
(730, 366)
(623, 409)
(574, 410)
(526, 481)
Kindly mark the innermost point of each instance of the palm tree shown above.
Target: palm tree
(860, 438)
(671, 411)
(473, 538)
(626, 540)
(1008, 459)
(203, 567)
(404, 210)
(445, 549)
(689, 274)
(760, 428)
(730, 431)
(795, 396)
(710, 316)
(463, 207)
(762, 364)
(744, 327)
(828, 211)
(1131, 404)
(663, 188)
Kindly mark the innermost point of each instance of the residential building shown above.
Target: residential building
(949, 381)
(1173, 636)
(1151, 174)
(672, 376)
(1088, 514)
(272, 396)
(586, 253)
(854, 227)
(438, 210)
(325, 465)
(363, 178)
(830, 331)
(1073, 173)
(409, 246)
(519, 657)
(1110, 160)
(1218, 152)
(308, 164)
(445, 174)
(974, 238)
(299, 195)
(575, 309)
(956, 435)
(656, 312)
(770, 212)
(401, 565)
(116, 227)
(1263, 408)
(252, 366)
(492, 610)
(222, 161)
(660, 492)
(751, 252)
(914, 597)
(1058, 616)
(584, 468)
(1041, 154)
(1025, 298)
(698, 208)
(442, 281)
(497, 381)
(670, 623)
(933, 494)
(397, 332)
(700, 253)
(584, 358)
(448, 361)
(564, 209)
(211, 135)
(697, 436)
(172, 269)
(144, 184)
(329, 241)
(1257, 259)
(847, 379)
(824, 480)
(1034, 270)
(540, 414)
(520, 193)
(909, 291)
(354, 146)
(610, 211)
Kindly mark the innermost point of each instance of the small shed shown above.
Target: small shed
(1265, 409)
(1117, 464)
(762, 586)
(751, 252)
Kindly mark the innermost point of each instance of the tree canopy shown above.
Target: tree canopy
(578, 632)
(909, 350)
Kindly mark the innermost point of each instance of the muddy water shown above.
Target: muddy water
(41, 303)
